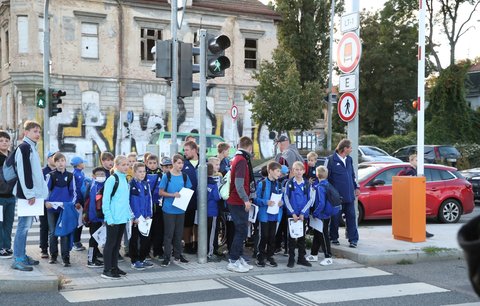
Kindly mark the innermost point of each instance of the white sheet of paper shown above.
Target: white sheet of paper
(56, 205)
(80, 217)
(128, 229)
(252, 213)
(275, 208)
(185, 196)
(25, 210)
(144, 225)
(316, 224)
(295, 228)
(1, 213)
(195, 220)
(101, 235)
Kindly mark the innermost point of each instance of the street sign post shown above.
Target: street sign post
(347, 82)
(347, 107)
(348, 52)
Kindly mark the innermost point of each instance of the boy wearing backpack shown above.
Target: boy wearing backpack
(61, 185)
(173, 217)
(298, 198)
(7, 202)
(311, 174)
(78, 164)
(94, 221)
(106, 158)
(153, 177)
(117, 213)
(213, 197)
(323, 210)
(268, 221)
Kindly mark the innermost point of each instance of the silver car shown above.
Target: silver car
(374, 154)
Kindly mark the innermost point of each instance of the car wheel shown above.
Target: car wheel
(450, 211)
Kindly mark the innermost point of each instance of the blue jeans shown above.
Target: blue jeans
(52, 217)
(352, 233)
(20, 242)
(8, 206)
(240, 220)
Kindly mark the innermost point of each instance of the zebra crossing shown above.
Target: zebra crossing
(300, 288)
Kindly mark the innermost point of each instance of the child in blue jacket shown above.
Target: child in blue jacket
(298, 198)
(268, 222)
(153, 177)
(78, 164)
(61, 185)
(94, 221)
(141, 205)
(213, 196)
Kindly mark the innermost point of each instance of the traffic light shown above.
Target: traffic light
(40, 97)
(162, 53)
(186, 68)
(217, 62)
(55, 101)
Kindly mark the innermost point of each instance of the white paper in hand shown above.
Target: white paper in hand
(144, 226)
(26, 210)
(80, 217)
(1, 214)
(273, 210)
(185, 196)
(295, 228)
(316, 224)
(252, 213)
(101, 235)
(128, 228)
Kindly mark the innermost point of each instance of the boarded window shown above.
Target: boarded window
(89, 40)
(22, 23)
(250, 53)
(147, 41)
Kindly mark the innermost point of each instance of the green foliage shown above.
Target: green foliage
(389, 144)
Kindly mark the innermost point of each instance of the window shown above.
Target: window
(387, 175)
(250, 53)
(147, 41)
(89, 40)
(22, 24)
(40, 34)
(7, 48)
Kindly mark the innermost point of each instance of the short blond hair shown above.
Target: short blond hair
(119, 159)
(322, 172)
(213, 159)
(312, 155)
(298, 164)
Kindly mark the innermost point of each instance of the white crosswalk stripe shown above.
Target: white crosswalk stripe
(229, 302)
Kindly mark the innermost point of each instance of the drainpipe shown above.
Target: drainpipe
(121, 87)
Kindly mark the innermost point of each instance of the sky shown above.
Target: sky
(468, 45)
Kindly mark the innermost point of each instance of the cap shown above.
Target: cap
(284, 169)
(50, 154)
(166, 161)
(77, 160)
(281, 139)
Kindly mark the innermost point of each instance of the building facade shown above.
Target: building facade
(100, 55)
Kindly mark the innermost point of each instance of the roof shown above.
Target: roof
(474, 68)
(249, 7)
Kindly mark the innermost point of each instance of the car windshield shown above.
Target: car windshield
(447, 150)
(373, 151)
(364, 172)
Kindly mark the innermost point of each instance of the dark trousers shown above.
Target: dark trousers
(138, 246)
(44, 231)
(352, 233)
(255, 229)
(173, 228)
(230, 230)
(297, 243)
(156, 232)
(92, 243)
(112, 246)
(282, 232)
(77, 235)
(212, 235)
(240, 220)
(266, 246)
(64, 241)
(322, 240)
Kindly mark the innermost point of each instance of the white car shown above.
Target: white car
(374, 154)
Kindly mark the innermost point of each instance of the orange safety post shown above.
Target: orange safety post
(409, 208)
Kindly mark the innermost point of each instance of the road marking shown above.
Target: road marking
(90, 295)
(371, 292)
(254, 294)
(286, 278)
(229, 302)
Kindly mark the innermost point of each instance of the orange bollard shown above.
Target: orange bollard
(409, 208)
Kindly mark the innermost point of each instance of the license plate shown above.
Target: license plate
(451, 160)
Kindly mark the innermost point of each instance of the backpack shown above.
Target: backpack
(8, 172)
(333, 196)
(53, 179)
(224, 188)
(290, 187)
(99, 197)
(169, 177)
(264, 186)
(86, 203)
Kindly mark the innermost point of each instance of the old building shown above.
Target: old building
(100, 55)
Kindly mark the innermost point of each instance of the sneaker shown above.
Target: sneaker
(21, 266)
(148, 257)
(312, 258)
(353, 245)
(9, 251)
(213, 258)
(285, 253)
(304, 262)
(147, 264)
(245, 264)
(120, 258)
(291, 263)
(237, 266)
(260, 263)
(165, 263)
(120, 272)
(30, 261)
(335, 242)
(99, 255)
(4, 254)
(271, 262)
(181, 259)
(110, 275)
(66, 262)
(428, 235)
(95, 264)
(78, 247)
(53, 260)
(44, 255)
(138, 265)
(326, 262)
(277, 251)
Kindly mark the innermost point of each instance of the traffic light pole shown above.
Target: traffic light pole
(330, 82)
(202, 168)
(173, 24)
(46, 80)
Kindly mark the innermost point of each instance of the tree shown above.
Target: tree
(280, 101)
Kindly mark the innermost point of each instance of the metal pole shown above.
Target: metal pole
(202, 168)
(421, 89)
(330, 81)
(173, 27)
(46, 80)
(353, 133)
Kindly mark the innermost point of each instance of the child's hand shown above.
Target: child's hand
(301, 217)
(247, 205)
(280, 204)
(295, 218)
(176, 195)
(271, 203)
(78, 206)
(48, 205)
(135, 221)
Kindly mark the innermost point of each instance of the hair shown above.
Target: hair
(132, 154)
(412, 157)
(264, 171)
(146, 155)
(152, 157)
(322, 172)
(343, 144)
(190, 138)
(312, 155)
(30, 125)
(97, 169)
(191, 144)
(210, 169)
(298, 164)
(245, 142)
(58, 156)
(137, 165)
(222, 147)
(4, 134)
(213, 159)
(106, 156)
(119, 159)
(273, 165)
(176, 157)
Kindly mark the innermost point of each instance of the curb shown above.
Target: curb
(15, 284)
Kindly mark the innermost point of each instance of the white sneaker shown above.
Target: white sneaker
(245, 264)
(326, 262)
(312, 258)
(237, 267)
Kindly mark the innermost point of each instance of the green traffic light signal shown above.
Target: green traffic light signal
(40, 98)
(217, 62)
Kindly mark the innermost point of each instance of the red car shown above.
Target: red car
(449, 194)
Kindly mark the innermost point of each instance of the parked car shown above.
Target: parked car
(374, 154)
(473, 176)
(433, 154)
(448, 194)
